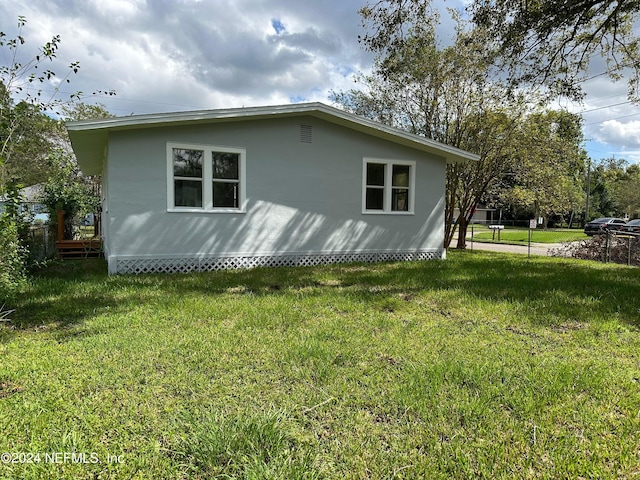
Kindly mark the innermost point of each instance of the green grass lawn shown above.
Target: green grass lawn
(481, 366)
(520, 236)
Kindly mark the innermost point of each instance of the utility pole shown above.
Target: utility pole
(586, 211)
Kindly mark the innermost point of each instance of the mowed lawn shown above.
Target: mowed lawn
(481, 366)
(520, 236)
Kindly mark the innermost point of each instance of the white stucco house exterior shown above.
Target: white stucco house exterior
(299, 184)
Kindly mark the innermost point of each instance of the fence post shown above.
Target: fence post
(629, 252)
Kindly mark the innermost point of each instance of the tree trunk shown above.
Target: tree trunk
(68, 229)
(60, 234)
(462, 233)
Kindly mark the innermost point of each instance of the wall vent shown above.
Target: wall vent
(306, 134)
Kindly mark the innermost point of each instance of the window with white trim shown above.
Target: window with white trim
(205, 178)
(388, 186)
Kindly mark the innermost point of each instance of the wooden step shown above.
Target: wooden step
(90, 248)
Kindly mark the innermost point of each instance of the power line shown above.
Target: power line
(118, 98)
(606, 106)
(609, 119)
(121, 99)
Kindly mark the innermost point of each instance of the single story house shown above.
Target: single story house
(30, 206)
(299, 184)
(481, 214)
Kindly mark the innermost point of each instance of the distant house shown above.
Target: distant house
(31, 205)
(481, 214)
(297, 184)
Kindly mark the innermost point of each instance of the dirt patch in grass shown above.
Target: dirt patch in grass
(8, 388)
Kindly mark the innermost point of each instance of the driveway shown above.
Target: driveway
(536, 248)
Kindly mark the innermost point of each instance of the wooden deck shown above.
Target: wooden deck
(89, 248)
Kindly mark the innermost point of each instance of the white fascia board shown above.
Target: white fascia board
(86, 133)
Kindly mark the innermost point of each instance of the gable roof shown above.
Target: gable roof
(30, 194)
(89, 137)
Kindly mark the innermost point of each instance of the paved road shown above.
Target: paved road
(536, 248)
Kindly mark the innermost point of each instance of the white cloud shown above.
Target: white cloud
(167, 55)
(611, 123)
(188, 54)
(614, 132)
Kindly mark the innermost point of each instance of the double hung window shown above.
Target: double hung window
(388, 186)
(187, 177)
(205, 178)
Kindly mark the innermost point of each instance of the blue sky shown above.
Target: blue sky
(169, 55)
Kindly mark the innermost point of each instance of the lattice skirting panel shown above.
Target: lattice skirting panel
(206, 264)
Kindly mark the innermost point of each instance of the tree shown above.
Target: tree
(615, 189)
(18, 124)
(22, 79)
(492, 134)
(25, 127)
(12, 251)
(539, 42)
(26, 137)
(66, 188)
(85, 111)
(627, 191)
(547, 176)
(442, 93)
(33, 133)
(552, 42)
(604, 178)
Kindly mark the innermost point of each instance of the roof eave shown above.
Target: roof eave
(89, 137)
(90, 149)
(451, 154)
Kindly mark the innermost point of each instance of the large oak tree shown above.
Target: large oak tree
(448, 93)
(555, 42)
(442, 93)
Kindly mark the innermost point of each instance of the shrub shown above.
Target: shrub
(68, 190)
(12, 257)
(13, 253)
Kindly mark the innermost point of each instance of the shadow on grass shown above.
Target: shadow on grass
(544, 290)
(65, 294)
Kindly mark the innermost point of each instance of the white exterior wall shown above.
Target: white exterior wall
(304, 201)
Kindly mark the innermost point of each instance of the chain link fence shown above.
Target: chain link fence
(614, 247)
(40, 242)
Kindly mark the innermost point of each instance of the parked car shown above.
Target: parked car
(632, 227)
(602, 225)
